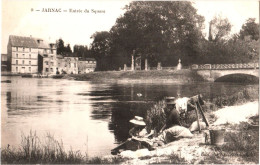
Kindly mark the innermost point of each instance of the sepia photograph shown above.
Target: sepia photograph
(129, 82)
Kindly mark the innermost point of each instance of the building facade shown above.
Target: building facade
(87, 65)
(22, 55)
(47, 57)
(27, 54)
(67, 65)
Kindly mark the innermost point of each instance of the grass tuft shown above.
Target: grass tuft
(33, 150)
(156, 117)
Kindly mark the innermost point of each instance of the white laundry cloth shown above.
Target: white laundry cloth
(181, 104)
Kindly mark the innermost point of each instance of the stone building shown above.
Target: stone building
(22, 55)
(67, 65)
(30, 55)
(86, 65)
(47, 57)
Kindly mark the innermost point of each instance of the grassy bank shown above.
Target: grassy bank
(47, 150)
(184, 75)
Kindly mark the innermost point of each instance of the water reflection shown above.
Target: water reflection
(91, 117)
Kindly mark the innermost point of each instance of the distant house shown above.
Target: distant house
(3, 62)
(30, 55)
(86, 65)
(67, 65)
(46, 57)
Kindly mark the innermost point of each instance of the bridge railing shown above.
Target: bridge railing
(225, 66)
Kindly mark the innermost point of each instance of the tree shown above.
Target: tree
(100, 48)
(159, 31)
(250, 28)
(219, 28)
(68, 49)
(82, 51)
(60, 46)
(61, 49)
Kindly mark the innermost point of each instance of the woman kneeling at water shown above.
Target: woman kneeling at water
(139, 130)
(139, 137)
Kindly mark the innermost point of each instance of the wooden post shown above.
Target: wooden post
(132, 65)
(203, 116)
(197, 115)
(146, 65)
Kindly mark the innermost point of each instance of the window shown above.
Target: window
(16, 62)
(30, 49)
(74, 65)
(51, 63)
(23, 62)
(16, 55)
(30, 56)
(23, 55)
(17, 49)
(47, 69)
(29, 62)
(16, 69)
(51, 69)
(46, 62)
(23, 48)
(29, 69)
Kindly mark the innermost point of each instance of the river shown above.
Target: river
(86, 116)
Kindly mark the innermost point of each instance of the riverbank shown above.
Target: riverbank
(241, 145)
(184, 75)
(241, 142)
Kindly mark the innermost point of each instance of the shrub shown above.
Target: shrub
(247, 94)
(156, 118)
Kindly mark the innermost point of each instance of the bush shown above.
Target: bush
(248, 94)
(156, 118)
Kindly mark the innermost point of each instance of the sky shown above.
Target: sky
(77, 28)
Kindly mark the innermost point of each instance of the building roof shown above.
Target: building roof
(20, 41)
(30, 42)
(43, 44)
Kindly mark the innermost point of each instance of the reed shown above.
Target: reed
(156, 117)
(48, 150)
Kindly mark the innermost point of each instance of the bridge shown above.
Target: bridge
(212, 72)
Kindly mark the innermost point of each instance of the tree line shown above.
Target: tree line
(164, 31)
